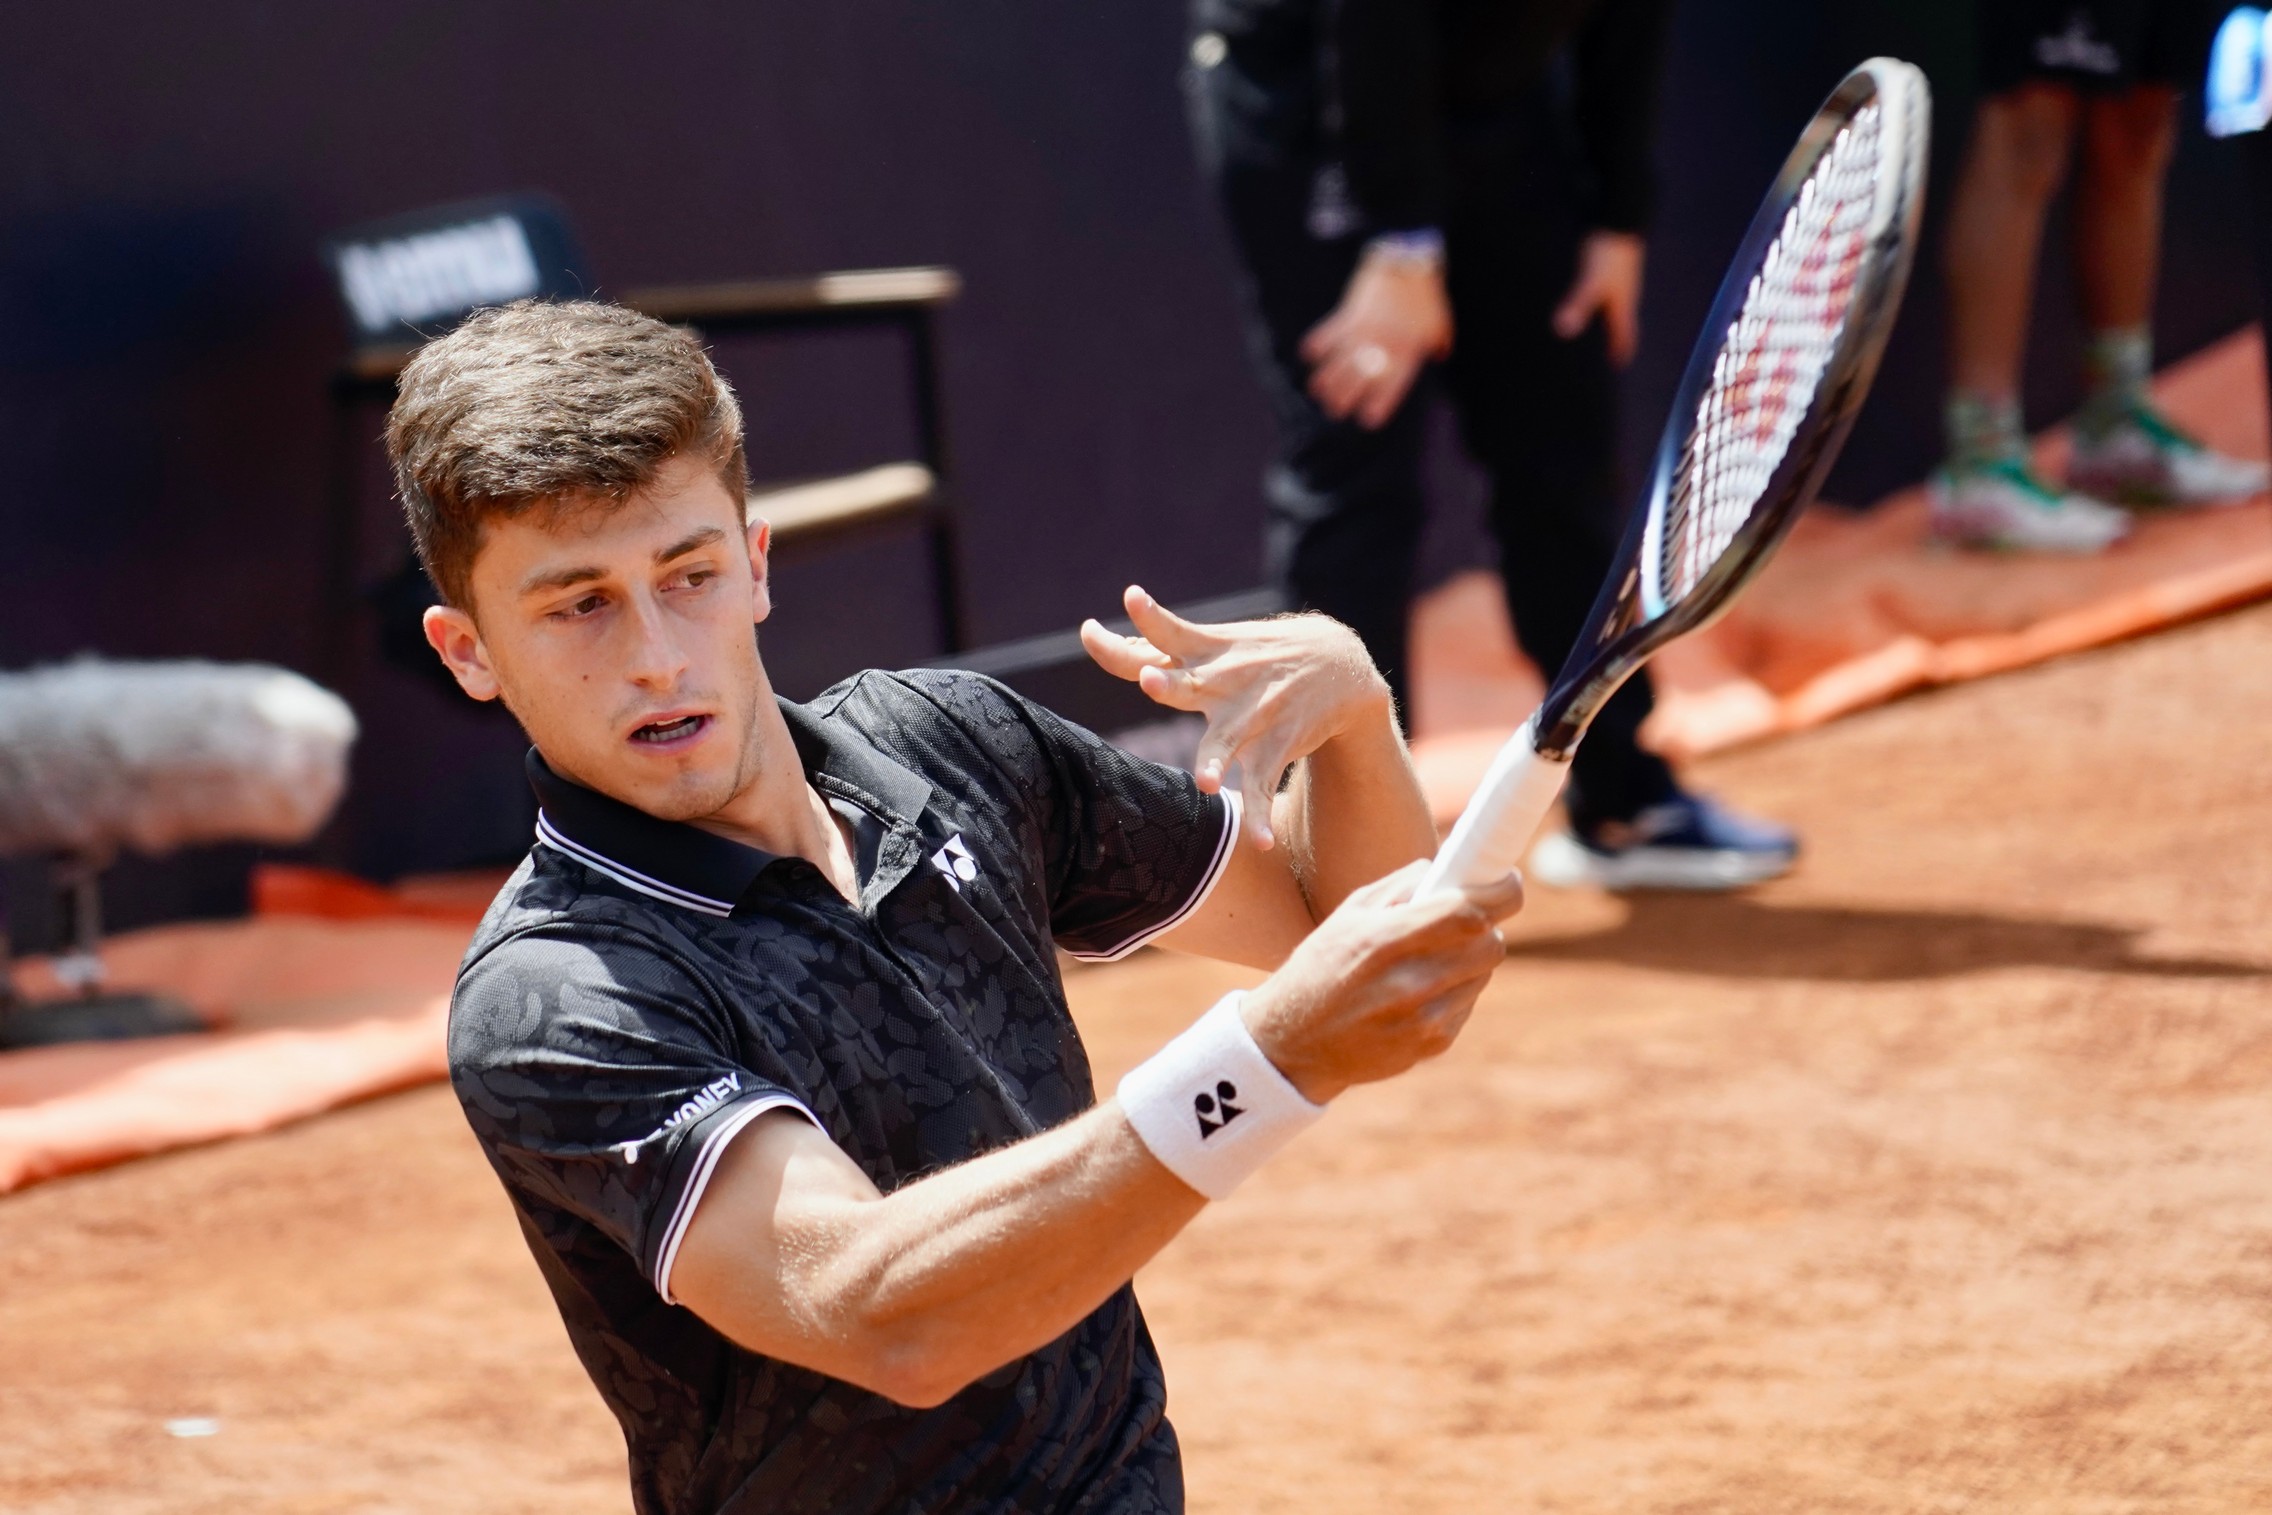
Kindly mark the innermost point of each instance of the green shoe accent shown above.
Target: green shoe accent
(2161, 433)
(2094, 422)
(2013, 471)
(2005, 506)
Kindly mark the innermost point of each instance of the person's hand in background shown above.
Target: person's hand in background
(1393, 320)
(1608, 283)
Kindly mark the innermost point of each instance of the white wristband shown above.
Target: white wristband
(1210, 1106)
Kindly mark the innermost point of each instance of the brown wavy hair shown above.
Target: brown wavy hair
(548, 405)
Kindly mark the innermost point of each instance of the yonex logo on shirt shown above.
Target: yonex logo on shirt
(954, 860)
(711, 1096)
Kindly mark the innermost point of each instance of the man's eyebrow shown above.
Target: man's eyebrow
(569, 578)
(688, 543)
(559, 578)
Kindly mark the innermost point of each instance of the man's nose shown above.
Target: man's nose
(655, 657)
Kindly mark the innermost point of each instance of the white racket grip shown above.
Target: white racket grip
(1487, 842)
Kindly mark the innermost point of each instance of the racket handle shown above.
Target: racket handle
(1518, 789)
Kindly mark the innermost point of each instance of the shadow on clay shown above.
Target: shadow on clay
(1733, 936)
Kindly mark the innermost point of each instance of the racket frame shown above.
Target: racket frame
(1629, 621)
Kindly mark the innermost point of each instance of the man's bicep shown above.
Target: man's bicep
(754, 1260)
(1254, 915)
(605, 1079)
(1130, 850)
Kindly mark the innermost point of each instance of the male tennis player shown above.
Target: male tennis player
(766, 1038)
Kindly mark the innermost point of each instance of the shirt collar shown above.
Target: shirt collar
(700, 870)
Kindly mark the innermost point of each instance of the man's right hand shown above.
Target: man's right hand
(1393, 319)
(1384, 982)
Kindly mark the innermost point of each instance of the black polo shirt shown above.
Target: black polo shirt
(642, 990)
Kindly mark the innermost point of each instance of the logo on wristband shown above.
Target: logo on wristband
(1217, 1105)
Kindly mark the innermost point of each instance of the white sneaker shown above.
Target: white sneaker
(2004, 505)
(2143, 460)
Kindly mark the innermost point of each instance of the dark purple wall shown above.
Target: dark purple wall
(168, 330)
(167, 172)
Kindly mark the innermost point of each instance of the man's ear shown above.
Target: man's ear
(457, 641)
(760, 566)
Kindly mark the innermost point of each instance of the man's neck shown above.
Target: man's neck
(779, 811)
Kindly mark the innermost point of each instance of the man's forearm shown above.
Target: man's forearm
(917, 1293)
(990, 1260)
(1354, 813)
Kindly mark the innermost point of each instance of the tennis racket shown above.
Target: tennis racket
(1769, 395)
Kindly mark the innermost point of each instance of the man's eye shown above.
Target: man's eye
(697, 577)
(580, 609)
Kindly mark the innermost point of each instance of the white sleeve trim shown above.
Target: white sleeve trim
(706, 1163)
(1225, 845)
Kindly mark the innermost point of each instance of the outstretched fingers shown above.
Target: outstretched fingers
(1165, 629)
(1218, 750)
(1170, 686)
(1226, 748)
(1258, 793)
(1124, 657)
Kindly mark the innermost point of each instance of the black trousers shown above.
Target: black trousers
(1537, 412)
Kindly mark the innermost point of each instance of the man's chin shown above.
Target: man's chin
(687, 780)
(683, 792)
(685, 797)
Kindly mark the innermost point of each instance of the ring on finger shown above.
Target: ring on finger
(1370, 360)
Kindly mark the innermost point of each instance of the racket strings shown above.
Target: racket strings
(1773, 356)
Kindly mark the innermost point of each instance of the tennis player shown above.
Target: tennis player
(767, 1039)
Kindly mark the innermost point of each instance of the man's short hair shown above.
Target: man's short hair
(547, 405)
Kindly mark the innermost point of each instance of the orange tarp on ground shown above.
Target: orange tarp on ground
(337, 989)
(310, 1014)
(1858, 609)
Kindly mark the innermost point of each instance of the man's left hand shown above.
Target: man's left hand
(1273, 691)
(1608, 282)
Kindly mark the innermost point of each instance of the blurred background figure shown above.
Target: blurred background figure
(1469, 182)
(2100, 80)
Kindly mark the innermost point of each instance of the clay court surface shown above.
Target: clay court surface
(1932, 1179)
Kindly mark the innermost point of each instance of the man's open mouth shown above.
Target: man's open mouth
(673, 730)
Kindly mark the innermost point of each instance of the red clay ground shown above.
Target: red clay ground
(1932, 1179)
